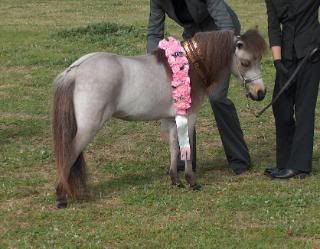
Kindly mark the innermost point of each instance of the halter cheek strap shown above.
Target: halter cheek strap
(244, 79)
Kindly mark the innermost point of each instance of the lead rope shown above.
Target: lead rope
(251, 110)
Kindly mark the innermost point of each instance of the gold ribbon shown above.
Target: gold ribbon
(193, 54)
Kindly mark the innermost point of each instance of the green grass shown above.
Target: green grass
(131, 203)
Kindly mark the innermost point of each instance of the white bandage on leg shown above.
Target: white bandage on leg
(183, 137)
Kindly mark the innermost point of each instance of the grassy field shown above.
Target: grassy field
(131, 202)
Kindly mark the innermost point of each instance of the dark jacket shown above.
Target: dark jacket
(293, 25)
(206, 14)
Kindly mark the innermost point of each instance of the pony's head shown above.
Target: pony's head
(246, 66)
(220, 51)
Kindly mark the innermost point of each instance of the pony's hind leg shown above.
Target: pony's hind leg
(77, 172)
(189, 173)
(88, 125)
(174, 151)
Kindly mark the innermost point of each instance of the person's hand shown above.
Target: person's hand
(281, 68)
(282, 71)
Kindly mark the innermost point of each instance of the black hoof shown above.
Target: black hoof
(180, 185)
(196, 187)
(62, 204)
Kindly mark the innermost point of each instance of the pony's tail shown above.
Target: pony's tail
(71, 170)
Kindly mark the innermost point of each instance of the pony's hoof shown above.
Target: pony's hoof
(62, 204)
(196, 187)
(180, 185)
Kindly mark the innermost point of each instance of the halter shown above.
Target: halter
(244, 79)
(247, 81)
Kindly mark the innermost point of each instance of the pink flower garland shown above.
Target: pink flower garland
(181, 90)
(180, 83)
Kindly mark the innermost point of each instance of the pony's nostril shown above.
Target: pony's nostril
(261, 94)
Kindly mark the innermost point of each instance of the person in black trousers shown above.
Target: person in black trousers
(294, 31)
(195, 16)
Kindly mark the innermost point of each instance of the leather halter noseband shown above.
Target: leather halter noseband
(193, 54)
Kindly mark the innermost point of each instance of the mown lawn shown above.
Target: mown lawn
(131, 203)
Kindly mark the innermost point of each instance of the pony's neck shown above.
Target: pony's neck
(216, 49)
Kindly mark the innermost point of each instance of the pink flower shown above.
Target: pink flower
(175, 69)
(181, 94)
(169, 52)
(186, 67)
(181, 60)
(181, 107)
(171, 60)
(179, 82)
(180, 78)
(184, 89)
(163, 44)
(180, 75)
(176, 83)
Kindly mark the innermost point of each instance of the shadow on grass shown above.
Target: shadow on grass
(118, 184)
(147, 176)
(105, 188)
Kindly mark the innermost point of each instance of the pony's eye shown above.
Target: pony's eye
(245, 63)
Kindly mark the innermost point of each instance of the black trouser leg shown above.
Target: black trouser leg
(284, 121)
(305, 103)
(228, 124)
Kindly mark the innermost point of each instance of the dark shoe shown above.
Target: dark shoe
(240, 171)
(289, 173)
(239, 168)
(270, 171)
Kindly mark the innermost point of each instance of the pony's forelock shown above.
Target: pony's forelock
(254, 42)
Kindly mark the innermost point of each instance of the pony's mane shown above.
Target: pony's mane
(161, 58)
(254, 42)
(216, 50)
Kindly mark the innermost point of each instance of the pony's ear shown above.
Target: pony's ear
(239, 44)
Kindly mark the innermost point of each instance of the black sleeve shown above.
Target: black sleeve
(318, 30)
(274, 29)
(155, 27)
(218, 11)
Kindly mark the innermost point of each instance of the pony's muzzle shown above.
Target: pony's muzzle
(260, 94)
(256, 90)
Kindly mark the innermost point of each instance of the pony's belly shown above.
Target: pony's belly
(145, 110)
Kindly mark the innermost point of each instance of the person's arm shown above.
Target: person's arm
(155, 27)
(218, 11)
(274, 31)
(276, 52)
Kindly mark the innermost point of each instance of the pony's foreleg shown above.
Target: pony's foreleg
(174, 151)
(189, 174)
